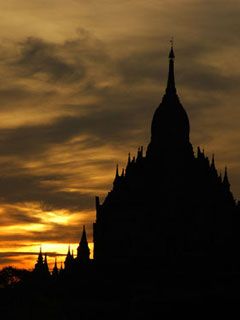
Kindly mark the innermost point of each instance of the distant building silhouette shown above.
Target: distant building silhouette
(39, 266)
(41, 269)
(71, 264)
(74, 265)
(55, 271)
(69, 261)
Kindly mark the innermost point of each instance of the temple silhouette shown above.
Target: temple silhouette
(168, 229)
(169, 205)
(71, 265)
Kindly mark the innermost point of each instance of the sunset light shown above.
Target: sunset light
(80, 82)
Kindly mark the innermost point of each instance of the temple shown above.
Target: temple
(169, 205)
(71, 265)
(167, 233)
(169, 210)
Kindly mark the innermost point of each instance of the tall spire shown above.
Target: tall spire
(46, 264)
(171, 79)
(84, 236)
(170, 125)
(129, 158)
(40, 256)
(55, 269)
(61, 268)
(225, 179)
(39, 264)
(116, 180)
(83, 251)
(41, 267)
(117, 173)
(68, 263)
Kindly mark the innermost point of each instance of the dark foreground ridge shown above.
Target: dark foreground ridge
(166, 235)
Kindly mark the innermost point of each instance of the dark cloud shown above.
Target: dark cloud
(206, 78)
(15, 216)
(62, 233)
(192, 71)
(54, 232)
(65, 62)
(39, 57)
(31, 140)
(126, 111)
(27, 187)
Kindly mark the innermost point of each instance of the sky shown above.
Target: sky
(79, 82)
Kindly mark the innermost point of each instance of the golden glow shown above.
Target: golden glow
(25, 257)
(23, 253)
(21, 228)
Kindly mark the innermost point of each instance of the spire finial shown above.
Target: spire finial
(84, 235)
(116, 179)
(117, 174)
(171, 53)
(129, 158)
(225, 179)
(171, 80)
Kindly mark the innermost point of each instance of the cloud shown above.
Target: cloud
(27, 187)
(39, 57)
(14, 216)
(66, 62)
(121, 103)
(73, 103)
(54, 232)
(31, 140)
